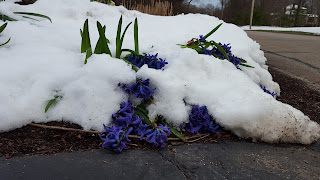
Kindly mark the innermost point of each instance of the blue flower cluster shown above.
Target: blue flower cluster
(157, 135)
(215, 52)
(267, 91)
(201, 121)
(116, 136)
(126, 122)
(151, 60)
(140, 89)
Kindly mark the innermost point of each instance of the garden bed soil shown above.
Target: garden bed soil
(30, 140)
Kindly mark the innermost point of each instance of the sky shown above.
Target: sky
(199, 2)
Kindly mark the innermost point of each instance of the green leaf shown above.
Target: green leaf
(81, 33)
(212, 31)
(124, 33)
(6, 18)
(134, 67)
(85, 42)
(50, 103)
(174, 131)
(118, 45)
(145, 117)
(88, 54)
(5, 42)
(119, 38)
(102, 44)
(136, 36)
(246, 65)
(182, 45)
(30, 18)
(220, 49)
(3, 27)
(34, 14)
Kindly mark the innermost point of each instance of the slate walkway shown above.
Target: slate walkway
(229, 159)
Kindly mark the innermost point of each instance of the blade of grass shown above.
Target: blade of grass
(136, 36)
(212, 31)
(34, 14)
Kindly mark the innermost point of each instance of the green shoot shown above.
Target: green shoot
(102, 44)
(85, 43)
(119, 40)
(52, 102)
(6, 18)
(212, 31)
(1, 29)
(33, 14)
(136, 36)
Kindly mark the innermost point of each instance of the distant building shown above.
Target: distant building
(298, 16)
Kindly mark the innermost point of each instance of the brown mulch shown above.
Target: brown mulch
(297, 94)
(30, 140)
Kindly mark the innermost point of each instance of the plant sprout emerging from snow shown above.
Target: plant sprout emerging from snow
(201, 121)
(267, 91)
(1, 29)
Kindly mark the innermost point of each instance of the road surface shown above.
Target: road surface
(296, 55)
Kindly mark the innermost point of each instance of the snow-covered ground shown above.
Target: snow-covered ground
(314, 30)
(43, 59)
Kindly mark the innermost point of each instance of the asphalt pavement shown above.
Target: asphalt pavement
(228, 159)
(296, 55)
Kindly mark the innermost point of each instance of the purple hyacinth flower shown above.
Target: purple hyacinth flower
(124, 116)
(157, 136)
(201, 39)
(201, 121)
(115, 138)
(151, 60)
(140, 89)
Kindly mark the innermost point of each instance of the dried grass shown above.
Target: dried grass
(154, 8)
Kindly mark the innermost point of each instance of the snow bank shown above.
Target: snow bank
(43, 60)
(315, 30)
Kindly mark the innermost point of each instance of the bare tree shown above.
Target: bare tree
(223, 4)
